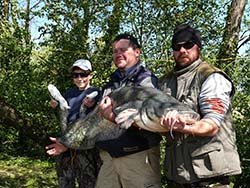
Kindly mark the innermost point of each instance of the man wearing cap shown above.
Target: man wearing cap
(204, 153)
(80, 165)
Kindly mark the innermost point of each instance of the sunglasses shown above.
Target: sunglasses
(187, 45)
(80, 74)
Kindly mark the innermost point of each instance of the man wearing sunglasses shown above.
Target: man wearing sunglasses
(80, 165)
(204, 153)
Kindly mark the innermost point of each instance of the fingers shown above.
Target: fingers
(106, 109)
(49, 146)
(50, 149)
(52, 139)
(55, 149)
(168, 118)
(53, 103)
(51, 152)
(88, 102)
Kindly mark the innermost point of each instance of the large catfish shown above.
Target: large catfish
(147, 105)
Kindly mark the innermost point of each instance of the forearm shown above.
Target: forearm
(203, 127)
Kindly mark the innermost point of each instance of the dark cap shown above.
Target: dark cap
(185, 33)
(132, 40)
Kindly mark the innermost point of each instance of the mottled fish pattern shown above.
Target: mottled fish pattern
(147, 106)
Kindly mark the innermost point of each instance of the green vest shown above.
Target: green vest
(190, 158)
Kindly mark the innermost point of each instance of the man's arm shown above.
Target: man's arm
(214, 102)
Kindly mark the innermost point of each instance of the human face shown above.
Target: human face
(81, 79)
(186, 54)
(124, 55)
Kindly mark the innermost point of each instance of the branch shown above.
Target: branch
(246, 40)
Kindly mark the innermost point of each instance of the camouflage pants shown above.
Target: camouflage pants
(81, 166)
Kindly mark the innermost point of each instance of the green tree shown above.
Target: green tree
(85, 29)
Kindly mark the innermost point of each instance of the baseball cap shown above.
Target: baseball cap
(185, 33)
(82, 64)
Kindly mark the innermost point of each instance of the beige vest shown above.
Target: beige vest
(191, 158)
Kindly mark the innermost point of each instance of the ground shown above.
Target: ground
(24, 172)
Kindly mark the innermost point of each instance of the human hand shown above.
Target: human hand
(88, 102)
(89, 99)
(56, 148)
(172, 121)
(53, 103)
(188, 124)
(106, 109)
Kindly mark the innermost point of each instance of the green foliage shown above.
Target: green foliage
(26, 172)
(23, 86)
(242, 120)
(153, 23)
(8, 139)
(241, 77)
(84, 29)
(163, 177)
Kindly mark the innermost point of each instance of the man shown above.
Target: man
(79, 165)
(202, 154)
(132, 159)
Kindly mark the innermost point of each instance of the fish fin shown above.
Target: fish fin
(56, 95)
(126, 118)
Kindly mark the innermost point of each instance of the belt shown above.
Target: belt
(130, 142)
(214, 182)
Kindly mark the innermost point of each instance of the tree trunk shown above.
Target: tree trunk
(228, 49)
(11, 118)
(6, 9)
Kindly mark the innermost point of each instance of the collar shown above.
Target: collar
(128, 72)
(191, 67)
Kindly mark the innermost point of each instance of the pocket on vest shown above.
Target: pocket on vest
(208, 160)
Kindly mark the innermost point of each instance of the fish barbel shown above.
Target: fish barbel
(147, 106)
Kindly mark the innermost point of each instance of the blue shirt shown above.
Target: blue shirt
(75, 98)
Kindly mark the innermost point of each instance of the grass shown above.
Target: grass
(24, 172)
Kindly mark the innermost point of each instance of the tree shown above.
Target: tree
(229, 46)
(84, 29)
